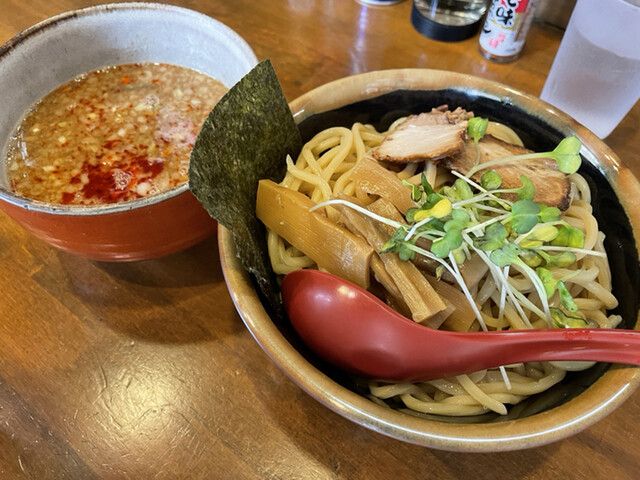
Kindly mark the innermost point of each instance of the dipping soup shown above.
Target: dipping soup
(114, 134)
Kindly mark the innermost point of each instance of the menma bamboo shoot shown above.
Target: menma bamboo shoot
(332, 247)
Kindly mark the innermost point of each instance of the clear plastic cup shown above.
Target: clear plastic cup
(595, 76)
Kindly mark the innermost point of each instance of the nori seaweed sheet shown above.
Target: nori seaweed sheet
(245, 138)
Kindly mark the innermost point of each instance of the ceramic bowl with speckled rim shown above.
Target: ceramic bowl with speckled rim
(43, 57)
(577, 402)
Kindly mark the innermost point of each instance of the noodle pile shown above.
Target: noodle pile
(322, 172)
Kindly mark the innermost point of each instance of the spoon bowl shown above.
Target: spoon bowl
(354, 330)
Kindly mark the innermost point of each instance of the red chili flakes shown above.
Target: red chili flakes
(153, 167)
(102, 185)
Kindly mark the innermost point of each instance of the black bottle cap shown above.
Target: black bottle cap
(438, 31)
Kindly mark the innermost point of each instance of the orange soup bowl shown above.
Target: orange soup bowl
(578, 401)
(49, 54)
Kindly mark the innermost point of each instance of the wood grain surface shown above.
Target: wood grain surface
(145, 370)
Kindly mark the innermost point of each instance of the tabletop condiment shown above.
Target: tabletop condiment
(505, 29)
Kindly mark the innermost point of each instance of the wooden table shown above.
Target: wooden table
(145, 370)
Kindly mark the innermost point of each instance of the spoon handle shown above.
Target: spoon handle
(572, 344)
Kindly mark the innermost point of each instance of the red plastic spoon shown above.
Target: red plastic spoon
(354, 330)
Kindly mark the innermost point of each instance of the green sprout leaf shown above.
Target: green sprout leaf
(459, 220)
(527, 190)
(440, 209)
(527, 243)
(433, 224)
(391, 244)
(567, 154)
(548, 214)
(476, 127)
(459, 255)
(440, 248)
(566, 298)
(463, 189)
(405, 253)
(443, 246)
(493, 238)
(564, 320)
(491, 180)
(416, 192)
(569, 236)
(449, 192)
(561, 260)
(432, 199)
(531, 258)
(524, 215)
(398, 244)
(461, 217)
(505, 255)
(411, 213)
(545, 233)
(548, 281)
(426, 186)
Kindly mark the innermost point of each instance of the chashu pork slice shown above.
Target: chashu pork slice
(553, 187)
(431, 135)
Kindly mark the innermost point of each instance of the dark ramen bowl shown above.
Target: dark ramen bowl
(582, 398)
(49, 54)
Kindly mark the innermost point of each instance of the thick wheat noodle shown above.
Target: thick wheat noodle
(589, 223)
(604, 321)
(322, 187)
(494, 322)
(441, 407)
(334, 157)
(388, 391)
(582, 187)
(285, 260)
(589, 304)
(510, 315)
(604, 275)
(409, 170)
(602, 293)
(521, 283)
(488, 288)
(481, 397)
(323, 170)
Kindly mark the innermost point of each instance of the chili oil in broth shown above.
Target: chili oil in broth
(114, 134)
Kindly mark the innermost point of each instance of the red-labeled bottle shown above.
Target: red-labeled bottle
(505, 29)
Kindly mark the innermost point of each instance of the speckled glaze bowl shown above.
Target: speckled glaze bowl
(573, 405)
(41, 58)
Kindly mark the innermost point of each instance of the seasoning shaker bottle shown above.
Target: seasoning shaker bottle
(505, 29)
